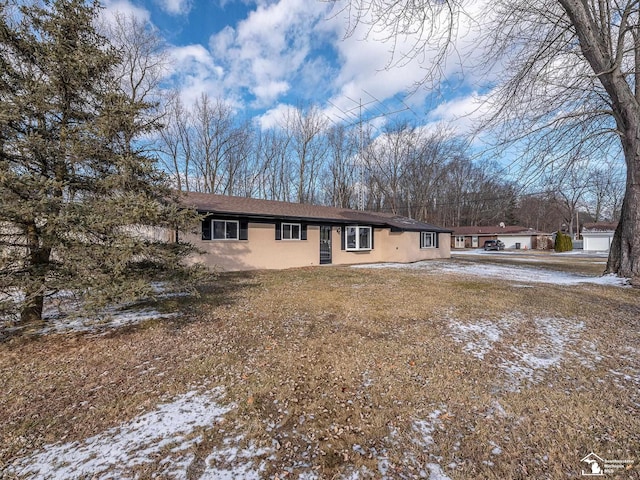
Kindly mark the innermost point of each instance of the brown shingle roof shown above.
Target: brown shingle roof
(267, 209)
(600, 227)
(494, 230)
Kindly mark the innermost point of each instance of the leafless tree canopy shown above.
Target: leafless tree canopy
(567, 85)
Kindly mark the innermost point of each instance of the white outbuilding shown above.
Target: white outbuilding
(597, 237)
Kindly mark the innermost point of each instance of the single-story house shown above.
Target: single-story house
(598, 236)
(512, 236)
(239, 233)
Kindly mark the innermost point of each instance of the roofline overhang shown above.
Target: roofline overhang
(320, 220)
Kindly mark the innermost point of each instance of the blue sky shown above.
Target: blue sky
(265, 56)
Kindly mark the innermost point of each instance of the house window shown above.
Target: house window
(225, 229)
(358, 238)
(428, 240)
(291, 231)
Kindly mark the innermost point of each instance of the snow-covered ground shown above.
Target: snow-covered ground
(504, 272)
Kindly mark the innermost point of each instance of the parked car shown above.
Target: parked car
(493, 245)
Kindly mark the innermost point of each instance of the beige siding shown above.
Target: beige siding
(263, 251)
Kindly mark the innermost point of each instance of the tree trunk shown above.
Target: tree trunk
(624, 255)
(37, 262)
(31, 312)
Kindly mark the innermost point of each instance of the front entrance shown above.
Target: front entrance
(459, 241)
(325, 244)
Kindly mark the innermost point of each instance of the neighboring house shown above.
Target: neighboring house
(512, 236)
(598, 236)
(241, 233)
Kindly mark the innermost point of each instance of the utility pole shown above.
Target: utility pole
(361, 162)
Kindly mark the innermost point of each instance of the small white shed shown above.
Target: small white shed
(597, 237)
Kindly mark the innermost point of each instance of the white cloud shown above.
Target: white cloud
(275, 117)
(175, 7)
(464, 111)
(269, 48)
(376, 64)
(296, 49)
(193, 71)
(125, 8)
(269, 92)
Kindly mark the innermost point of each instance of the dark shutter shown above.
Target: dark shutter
(303, 231)
(343, 236)
(244, 230)
(421, 239)
(278, 231)
(437, 235)
(206, 229)
(372, 230)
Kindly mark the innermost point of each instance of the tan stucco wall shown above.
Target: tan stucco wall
(263, 251)
(402, 247)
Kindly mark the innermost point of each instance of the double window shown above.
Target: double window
(291, 231)
(225, 229)
(358, 238)
(218, 229)
(428, 240)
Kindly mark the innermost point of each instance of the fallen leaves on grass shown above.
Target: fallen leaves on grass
(404, 376)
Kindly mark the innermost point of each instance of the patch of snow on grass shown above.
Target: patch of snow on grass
(526, 360)
(116, 319)
(436, 473)
(111, 453)
(512, 273)
(421, 435)
(425, 429)
(60, 313)
(541, 353)
(232, 462)
(479, 336)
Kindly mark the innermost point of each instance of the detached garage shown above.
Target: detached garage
(597, 237)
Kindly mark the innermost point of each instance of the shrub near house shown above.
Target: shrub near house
(563, 243)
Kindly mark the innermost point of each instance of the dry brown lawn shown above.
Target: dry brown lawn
(356, 373)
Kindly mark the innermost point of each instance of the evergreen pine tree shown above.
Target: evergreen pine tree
(82, 210)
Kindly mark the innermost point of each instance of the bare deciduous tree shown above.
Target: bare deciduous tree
(175, 143)
(143, 62)
(306, 129)
(341, 169)
(571, 79)
(604, 193)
